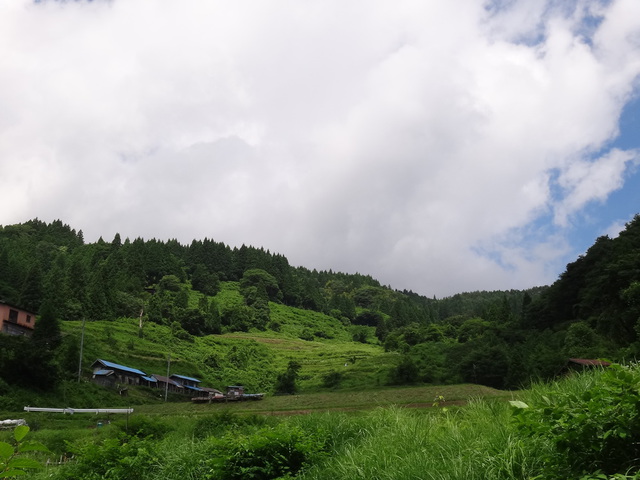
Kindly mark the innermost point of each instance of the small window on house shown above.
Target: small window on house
(28, 318)
(13, 315)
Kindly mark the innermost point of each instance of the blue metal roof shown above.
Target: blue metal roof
(193, 388)
(120, 367)
(187, 378)
(103, 372)
(149, 379)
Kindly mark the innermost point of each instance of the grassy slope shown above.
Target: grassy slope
(253, 359)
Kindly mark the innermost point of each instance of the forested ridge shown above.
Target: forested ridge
(501, 338)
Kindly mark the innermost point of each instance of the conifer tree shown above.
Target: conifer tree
(46, 333)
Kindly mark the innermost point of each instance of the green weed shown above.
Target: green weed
(593, 422)
(13, 463)
(269, 453)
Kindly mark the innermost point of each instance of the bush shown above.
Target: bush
(220, 422)
(272, 452)
(286, 381)
(332, 379)
(405, 372)
(143, 427)
(593, 427)
(306, 335)
(115, 458)
(359, 334)
(180, 333)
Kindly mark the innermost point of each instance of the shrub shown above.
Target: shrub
(115, 458)
(405, 372)
(272, 452)
(142, 427)
(332, 379)
(593, 427)
(286, 381)
(219, 423)
(359, 334)
(306, 335)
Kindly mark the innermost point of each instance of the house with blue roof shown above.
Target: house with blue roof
(189, 383)
(109, 374)
(165, 383)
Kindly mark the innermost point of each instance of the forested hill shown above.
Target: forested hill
(601, 290)
(500, 339)
(50, 263)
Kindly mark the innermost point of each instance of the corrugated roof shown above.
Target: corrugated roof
(103, 372)
(149, 379)
(211, 390)
(160, 378)
(193, 388)
(590, 362)
(120, 367)
(187, 378)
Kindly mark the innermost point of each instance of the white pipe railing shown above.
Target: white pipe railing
(71, 411)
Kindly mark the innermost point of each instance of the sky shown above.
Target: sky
(440, 147)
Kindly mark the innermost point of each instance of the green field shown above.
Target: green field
(347, 400)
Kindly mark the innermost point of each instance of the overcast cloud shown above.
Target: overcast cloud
(437, 146)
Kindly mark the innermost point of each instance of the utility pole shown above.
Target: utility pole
(84, 319)
(140, 323)
(166, 385)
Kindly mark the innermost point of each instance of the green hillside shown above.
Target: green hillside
(251, 359)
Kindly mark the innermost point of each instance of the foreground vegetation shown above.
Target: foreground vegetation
(583, 427)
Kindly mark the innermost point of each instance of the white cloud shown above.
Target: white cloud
(586, 181)
(614, 229)
(413, 141)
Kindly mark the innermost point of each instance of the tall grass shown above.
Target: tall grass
(476, 442)
(480, 441)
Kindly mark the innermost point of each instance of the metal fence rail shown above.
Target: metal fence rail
(71, 411)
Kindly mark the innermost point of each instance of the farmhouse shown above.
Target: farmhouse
(189, 383)
(16, 321)
(168, 384)
(108, 374)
